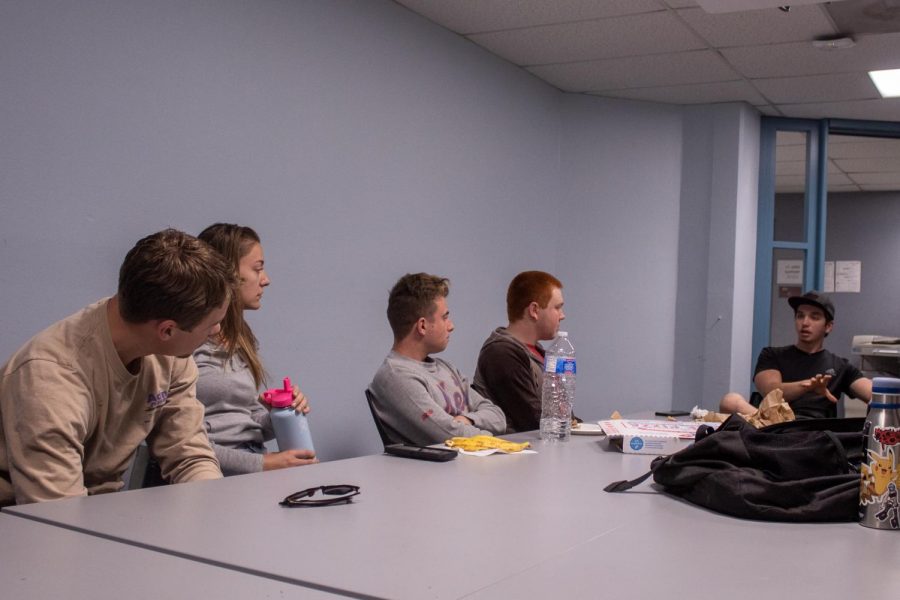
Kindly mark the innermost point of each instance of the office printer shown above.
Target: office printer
(878, 354)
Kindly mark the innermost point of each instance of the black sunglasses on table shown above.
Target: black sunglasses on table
(337, 493)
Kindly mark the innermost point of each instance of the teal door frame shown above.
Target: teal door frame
(814, 207)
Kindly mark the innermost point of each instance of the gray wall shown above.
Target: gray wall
(864, 227)
(618, 247)
(362, 142)
(716, 254)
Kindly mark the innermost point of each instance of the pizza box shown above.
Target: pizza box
(651, 436)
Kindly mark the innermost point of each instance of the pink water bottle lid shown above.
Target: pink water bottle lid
(280, 398)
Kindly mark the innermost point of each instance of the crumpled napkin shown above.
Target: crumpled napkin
(490, 451)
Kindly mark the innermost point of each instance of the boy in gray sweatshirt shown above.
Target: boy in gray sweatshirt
(422, 399)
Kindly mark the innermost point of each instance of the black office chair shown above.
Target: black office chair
(388, 436)
(755, 399)
(144, 471)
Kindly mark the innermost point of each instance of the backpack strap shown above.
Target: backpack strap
(625, 485)
(703, 431)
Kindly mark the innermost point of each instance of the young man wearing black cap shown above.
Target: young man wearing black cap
(811, 378)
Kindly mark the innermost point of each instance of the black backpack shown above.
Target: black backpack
(800, 471)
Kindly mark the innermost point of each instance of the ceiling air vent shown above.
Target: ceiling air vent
(854, 17)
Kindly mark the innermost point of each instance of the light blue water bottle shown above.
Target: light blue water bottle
(558, 391)
(291, 428)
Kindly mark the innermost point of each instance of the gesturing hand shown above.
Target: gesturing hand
(819, 385)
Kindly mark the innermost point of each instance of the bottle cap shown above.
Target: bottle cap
(886, 385)
(280, 398)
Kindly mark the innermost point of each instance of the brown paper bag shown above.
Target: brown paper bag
(773, 409)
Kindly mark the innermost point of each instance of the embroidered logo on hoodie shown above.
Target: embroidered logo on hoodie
(156, 400)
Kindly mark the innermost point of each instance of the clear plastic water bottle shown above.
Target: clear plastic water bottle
(291, 428)
(558, 393)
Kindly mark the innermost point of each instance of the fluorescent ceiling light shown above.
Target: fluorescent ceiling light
(887, 82)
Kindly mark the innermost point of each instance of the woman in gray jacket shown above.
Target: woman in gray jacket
(231, 372)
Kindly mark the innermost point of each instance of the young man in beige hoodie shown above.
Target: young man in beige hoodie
(78, 398)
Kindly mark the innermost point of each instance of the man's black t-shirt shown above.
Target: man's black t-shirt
(796, 365)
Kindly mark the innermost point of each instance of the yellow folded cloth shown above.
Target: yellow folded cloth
(485, 442)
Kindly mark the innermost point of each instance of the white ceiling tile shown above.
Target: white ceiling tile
(880, 188)
(598, 45)
(825, 88)
(798, 167)
(696, 93)
(634, 35)
(844, 139)
(868, 165)
(790, 138)
(721, 6)
(790, 153)
(850, 187)
(790, 188)
(800, 58)
(637, 71)
(865, 16)
(862, 147)
(474, 16)
(876, 178)
(790, 167)
(758, 27)
(769, 111)
(840, 179)
(887, 109)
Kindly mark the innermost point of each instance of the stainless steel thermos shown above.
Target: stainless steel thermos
(879, 502)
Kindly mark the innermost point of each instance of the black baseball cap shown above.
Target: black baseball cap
(814, 298)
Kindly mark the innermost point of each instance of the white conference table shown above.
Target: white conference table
(39, 562)
(523, 526)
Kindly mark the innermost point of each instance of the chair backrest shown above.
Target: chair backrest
(386, 438)
(144, 471)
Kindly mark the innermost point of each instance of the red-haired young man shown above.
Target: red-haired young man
(510, 367)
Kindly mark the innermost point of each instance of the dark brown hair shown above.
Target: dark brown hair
(413, 297)
(528, 287)
(173, 275)
(234, 242)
